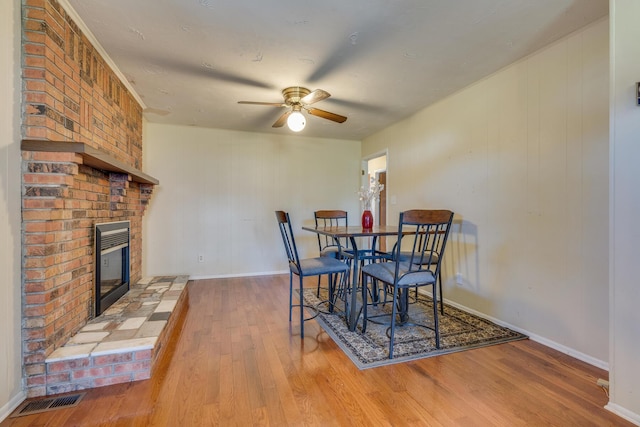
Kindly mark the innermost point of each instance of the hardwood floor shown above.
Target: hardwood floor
(236, 362)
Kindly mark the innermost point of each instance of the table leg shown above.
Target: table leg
(403, 305)
(353, 312)
(352, 319)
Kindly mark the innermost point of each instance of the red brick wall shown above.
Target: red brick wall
(70, 94)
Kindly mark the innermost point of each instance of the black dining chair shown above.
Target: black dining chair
(427, 231)
(335, 270)
(405, 256)
(328, 246)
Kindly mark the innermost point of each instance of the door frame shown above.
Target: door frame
(365, 172)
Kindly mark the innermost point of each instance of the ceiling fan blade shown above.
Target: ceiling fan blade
(272, 104)
(282, 120)
(315, 96)
(326, 115)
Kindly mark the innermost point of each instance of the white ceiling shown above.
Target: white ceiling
(382, 60)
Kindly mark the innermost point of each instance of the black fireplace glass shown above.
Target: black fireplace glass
(112, 263)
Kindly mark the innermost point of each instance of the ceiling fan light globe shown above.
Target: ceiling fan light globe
(296, 121)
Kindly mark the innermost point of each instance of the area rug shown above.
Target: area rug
(459, 331)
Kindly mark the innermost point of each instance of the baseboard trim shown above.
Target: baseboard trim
(225, 276)
(571, 352)
(11, 405)
(537, 338)
(632, 417)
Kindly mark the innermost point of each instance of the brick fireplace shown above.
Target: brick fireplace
(82, 151)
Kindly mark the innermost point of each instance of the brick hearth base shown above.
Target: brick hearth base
(122, 344)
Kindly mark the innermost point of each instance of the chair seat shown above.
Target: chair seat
(385, 271)
(329, 251)
(319, 265)
(406, 256)
(332, 252)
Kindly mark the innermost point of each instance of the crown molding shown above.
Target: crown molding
(98, 47)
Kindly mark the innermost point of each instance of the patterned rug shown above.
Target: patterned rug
(459, 331)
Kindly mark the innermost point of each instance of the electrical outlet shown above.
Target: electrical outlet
(459, 279)
(105, 262)
(200, 258)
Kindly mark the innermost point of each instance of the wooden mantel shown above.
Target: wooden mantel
(91, 157)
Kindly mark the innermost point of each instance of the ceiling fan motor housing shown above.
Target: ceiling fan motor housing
(292, 95)
(297, 99)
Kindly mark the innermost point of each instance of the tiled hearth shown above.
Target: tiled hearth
(122, 344)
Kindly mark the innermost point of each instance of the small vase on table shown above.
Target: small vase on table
(367, 216)
(367, 219)
(367, 196)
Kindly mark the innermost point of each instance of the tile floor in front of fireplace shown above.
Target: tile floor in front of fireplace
(133, 323)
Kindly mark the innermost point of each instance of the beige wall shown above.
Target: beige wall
(10, 363)
(521, 158)
(219, 189)
(625, 211)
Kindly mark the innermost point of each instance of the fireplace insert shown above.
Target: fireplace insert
(112, 263)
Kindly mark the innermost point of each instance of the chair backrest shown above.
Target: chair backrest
(424, 234)
(331, 218)
(284, 223)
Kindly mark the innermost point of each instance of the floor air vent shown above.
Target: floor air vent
(47, 404)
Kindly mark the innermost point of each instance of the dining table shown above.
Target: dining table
(367, 250)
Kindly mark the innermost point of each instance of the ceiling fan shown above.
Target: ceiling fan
(297, 99)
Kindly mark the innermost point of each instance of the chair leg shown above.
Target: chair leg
(393, 320)
(441, 294)
(301, 310)
(290, 294)
(318, 290)
(343, 286)
(435, 316)
(332, 286)
(364, 302)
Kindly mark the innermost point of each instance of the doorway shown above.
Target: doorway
(374, 168)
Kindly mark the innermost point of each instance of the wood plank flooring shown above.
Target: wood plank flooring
(236, 362)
